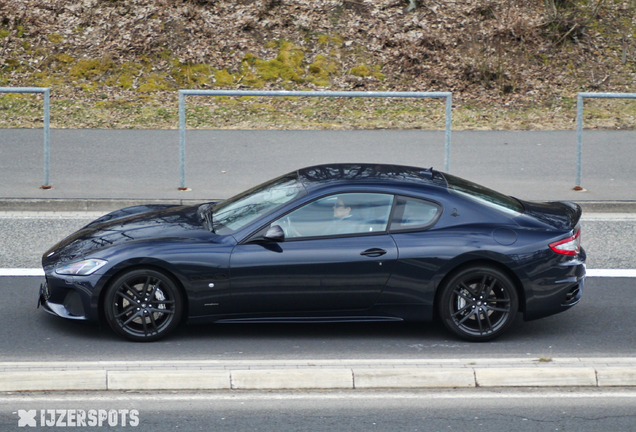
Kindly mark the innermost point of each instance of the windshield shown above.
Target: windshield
(237, 212)
(483, 195)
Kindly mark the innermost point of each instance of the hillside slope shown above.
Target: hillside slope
(514, 63)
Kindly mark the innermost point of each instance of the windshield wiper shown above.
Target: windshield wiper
(205, 215)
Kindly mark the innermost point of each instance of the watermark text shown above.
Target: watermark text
(78, 418)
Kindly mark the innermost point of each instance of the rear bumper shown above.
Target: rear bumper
(557, 290)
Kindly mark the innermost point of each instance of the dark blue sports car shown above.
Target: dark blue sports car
(341, 242)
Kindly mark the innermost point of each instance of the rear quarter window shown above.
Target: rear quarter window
(414, 214)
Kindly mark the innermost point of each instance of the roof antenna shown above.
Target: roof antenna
(428, 172)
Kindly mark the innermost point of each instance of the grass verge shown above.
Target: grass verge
(160, 111)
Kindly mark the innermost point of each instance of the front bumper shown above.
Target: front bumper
(63, 301)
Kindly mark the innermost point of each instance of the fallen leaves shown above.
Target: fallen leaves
(489, 53)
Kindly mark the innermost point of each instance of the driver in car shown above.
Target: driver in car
(344, 222)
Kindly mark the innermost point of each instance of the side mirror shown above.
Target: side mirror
(275, 233)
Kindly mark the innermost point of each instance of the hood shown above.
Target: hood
(176, 222)
(560, 215)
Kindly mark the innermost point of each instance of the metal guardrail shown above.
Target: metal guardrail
(183, 93)
(182, 126)
(579, 124)
(47, 123)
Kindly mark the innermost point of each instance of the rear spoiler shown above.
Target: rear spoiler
(559, 214)
(573, 210)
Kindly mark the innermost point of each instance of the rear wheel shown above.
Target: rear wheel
(143, 305)
(478, 303)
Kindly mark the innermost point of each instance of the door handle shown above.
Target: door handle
(373, 252)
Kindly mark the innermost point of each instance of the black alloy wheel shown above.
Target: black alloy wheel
(478, 304)
(143, 305)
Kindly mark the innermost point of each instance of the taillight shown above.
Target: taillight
(568, 246)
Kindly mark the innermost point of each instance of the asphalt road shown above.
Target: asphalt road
(600, 326)
(535, 165)
(351, 411)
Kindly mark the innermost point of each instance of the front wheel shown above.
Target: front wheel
(478, 303)
(143, 305)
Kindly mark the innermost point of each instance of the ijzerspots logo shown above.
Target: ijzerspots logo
(77, 418)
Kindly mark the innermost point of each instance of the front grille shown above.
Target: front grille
(73, 304)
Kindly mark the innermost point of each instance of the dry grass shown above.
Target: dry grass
(160, 111)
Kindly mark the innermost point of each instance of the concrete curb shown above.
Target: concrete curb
(410, 378)
(111, 204)
(322, 374)
(54, 381)
(536, 377)
(168, 380)
(617, 376)
(279, 379)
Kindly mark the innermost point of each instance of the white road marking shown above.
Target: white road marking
(608, 217)
(21, 272)
(611, 273)
(81, 215)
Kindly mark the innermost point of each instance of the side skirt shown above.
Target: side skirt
(292, 319)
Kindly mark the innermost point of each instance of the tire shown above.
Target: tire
(478, 303)
(143, 305)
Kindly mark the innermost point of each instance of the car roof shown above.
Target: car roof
(329, 174)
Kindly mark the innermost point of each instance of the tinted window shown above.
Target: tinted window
(236, 212)
(412, 214)
(341, 214)
(481, 194)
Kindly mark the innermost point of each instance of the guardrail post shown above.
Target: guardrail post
(579, 125)
(447, 132)
(46, 126)
(579, 140)
(182, 138)
(47, 138)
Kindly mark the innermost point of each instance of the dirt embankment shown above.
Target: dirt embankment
(492, 54)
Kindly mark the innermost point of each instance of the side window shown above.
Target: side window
(413, 214)
(351, 213)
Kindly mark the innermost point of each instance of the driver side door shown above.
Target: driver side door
(317, 268)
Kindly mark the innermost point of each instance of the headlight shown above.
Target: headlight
(81, 268)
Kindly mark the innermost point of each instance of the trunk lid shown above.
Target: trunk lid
(561, 215)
